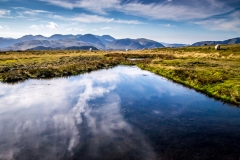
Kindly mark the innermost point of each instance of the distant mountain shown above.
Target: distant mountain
(106, 39)
(45, 43)
(31, 37)
(229, 41)
(123, 44)
(173, 44)
(146, 43)
(58, 41)
(61, 37)
(5, 42)
(41, 48)
(80, 48)
(91, 39)
(66, 48)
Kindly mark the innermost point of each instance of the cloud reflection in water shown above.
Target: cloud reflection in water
(55, 119)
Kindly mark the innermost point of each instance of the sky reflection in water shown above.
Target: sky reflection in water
(120, 113)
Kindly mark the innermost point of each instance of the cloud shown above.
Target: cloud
(106, 28)
(229, 22)
(177, 10)
(91, 19)
(4, 12)
(86, 18)
(168, 25)
(128, 21)
(99, 6)
(5, 28)
(26, 12)
(75, 29)
(193, 11)
(35, 27)
(52, 25)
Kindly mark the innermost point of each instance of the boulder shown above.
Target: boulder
(217, 47)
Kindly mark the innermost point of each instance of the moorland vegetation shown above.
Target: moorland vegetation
(213, 72)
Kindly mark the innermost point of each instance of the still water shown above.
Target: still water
(120, 113)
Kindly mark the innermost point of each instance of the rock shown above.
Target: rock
(217, 47)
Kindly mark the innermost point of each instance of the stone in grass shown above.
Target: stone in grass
(217, 47)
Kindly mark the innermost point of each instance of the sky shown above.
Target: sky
(170, 21)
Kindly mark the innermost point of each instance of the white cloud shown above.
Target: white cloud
(52, 25)
(106, 28)
(37, 27)
(86, 18)
(168, 25)
(91, 19)
(34, 12)
(5, 28)
(34, 27)
(171, 11)
(75, 29)
(4, 12)
(232, 23)
(128, 21)
(99, 6)
(27, 13)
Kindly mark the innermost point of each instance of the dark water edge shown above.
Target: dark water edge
(119, 113)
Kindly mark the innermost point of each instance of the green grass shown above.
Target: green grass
(215, 73)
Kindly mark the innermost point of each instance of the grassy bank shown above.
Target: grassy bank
(18, 66)
(215, 73)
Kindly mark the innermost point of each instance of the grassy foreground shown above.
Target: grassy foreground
(215, 73)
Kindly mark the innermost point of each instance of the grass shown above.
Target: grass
(215, 73)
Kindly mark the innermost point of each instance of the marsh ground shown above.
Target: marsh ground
(213, 72)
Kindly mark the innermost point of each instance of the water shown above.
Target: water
(120, 113)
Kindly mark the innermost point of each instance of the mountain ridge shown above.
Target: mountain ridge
(228, 41)
(59, 41)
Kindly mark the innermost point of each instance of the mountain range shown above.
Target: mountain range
(86, 41)
(228, 41)
(58, 41)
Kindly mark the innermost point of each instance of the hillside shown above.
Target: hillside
(229, 41)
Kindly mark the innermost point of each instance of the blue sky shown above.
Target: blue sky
(171, 21)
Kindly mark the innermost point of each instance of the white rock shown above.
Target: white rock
(217, 47)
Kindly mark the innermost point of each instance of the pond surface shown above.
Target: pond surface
(120, 113)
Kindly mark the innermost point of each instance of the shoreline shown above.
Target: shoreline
(213, 73)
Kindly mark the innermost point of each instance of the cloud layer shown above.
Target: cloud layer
(199, 12)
